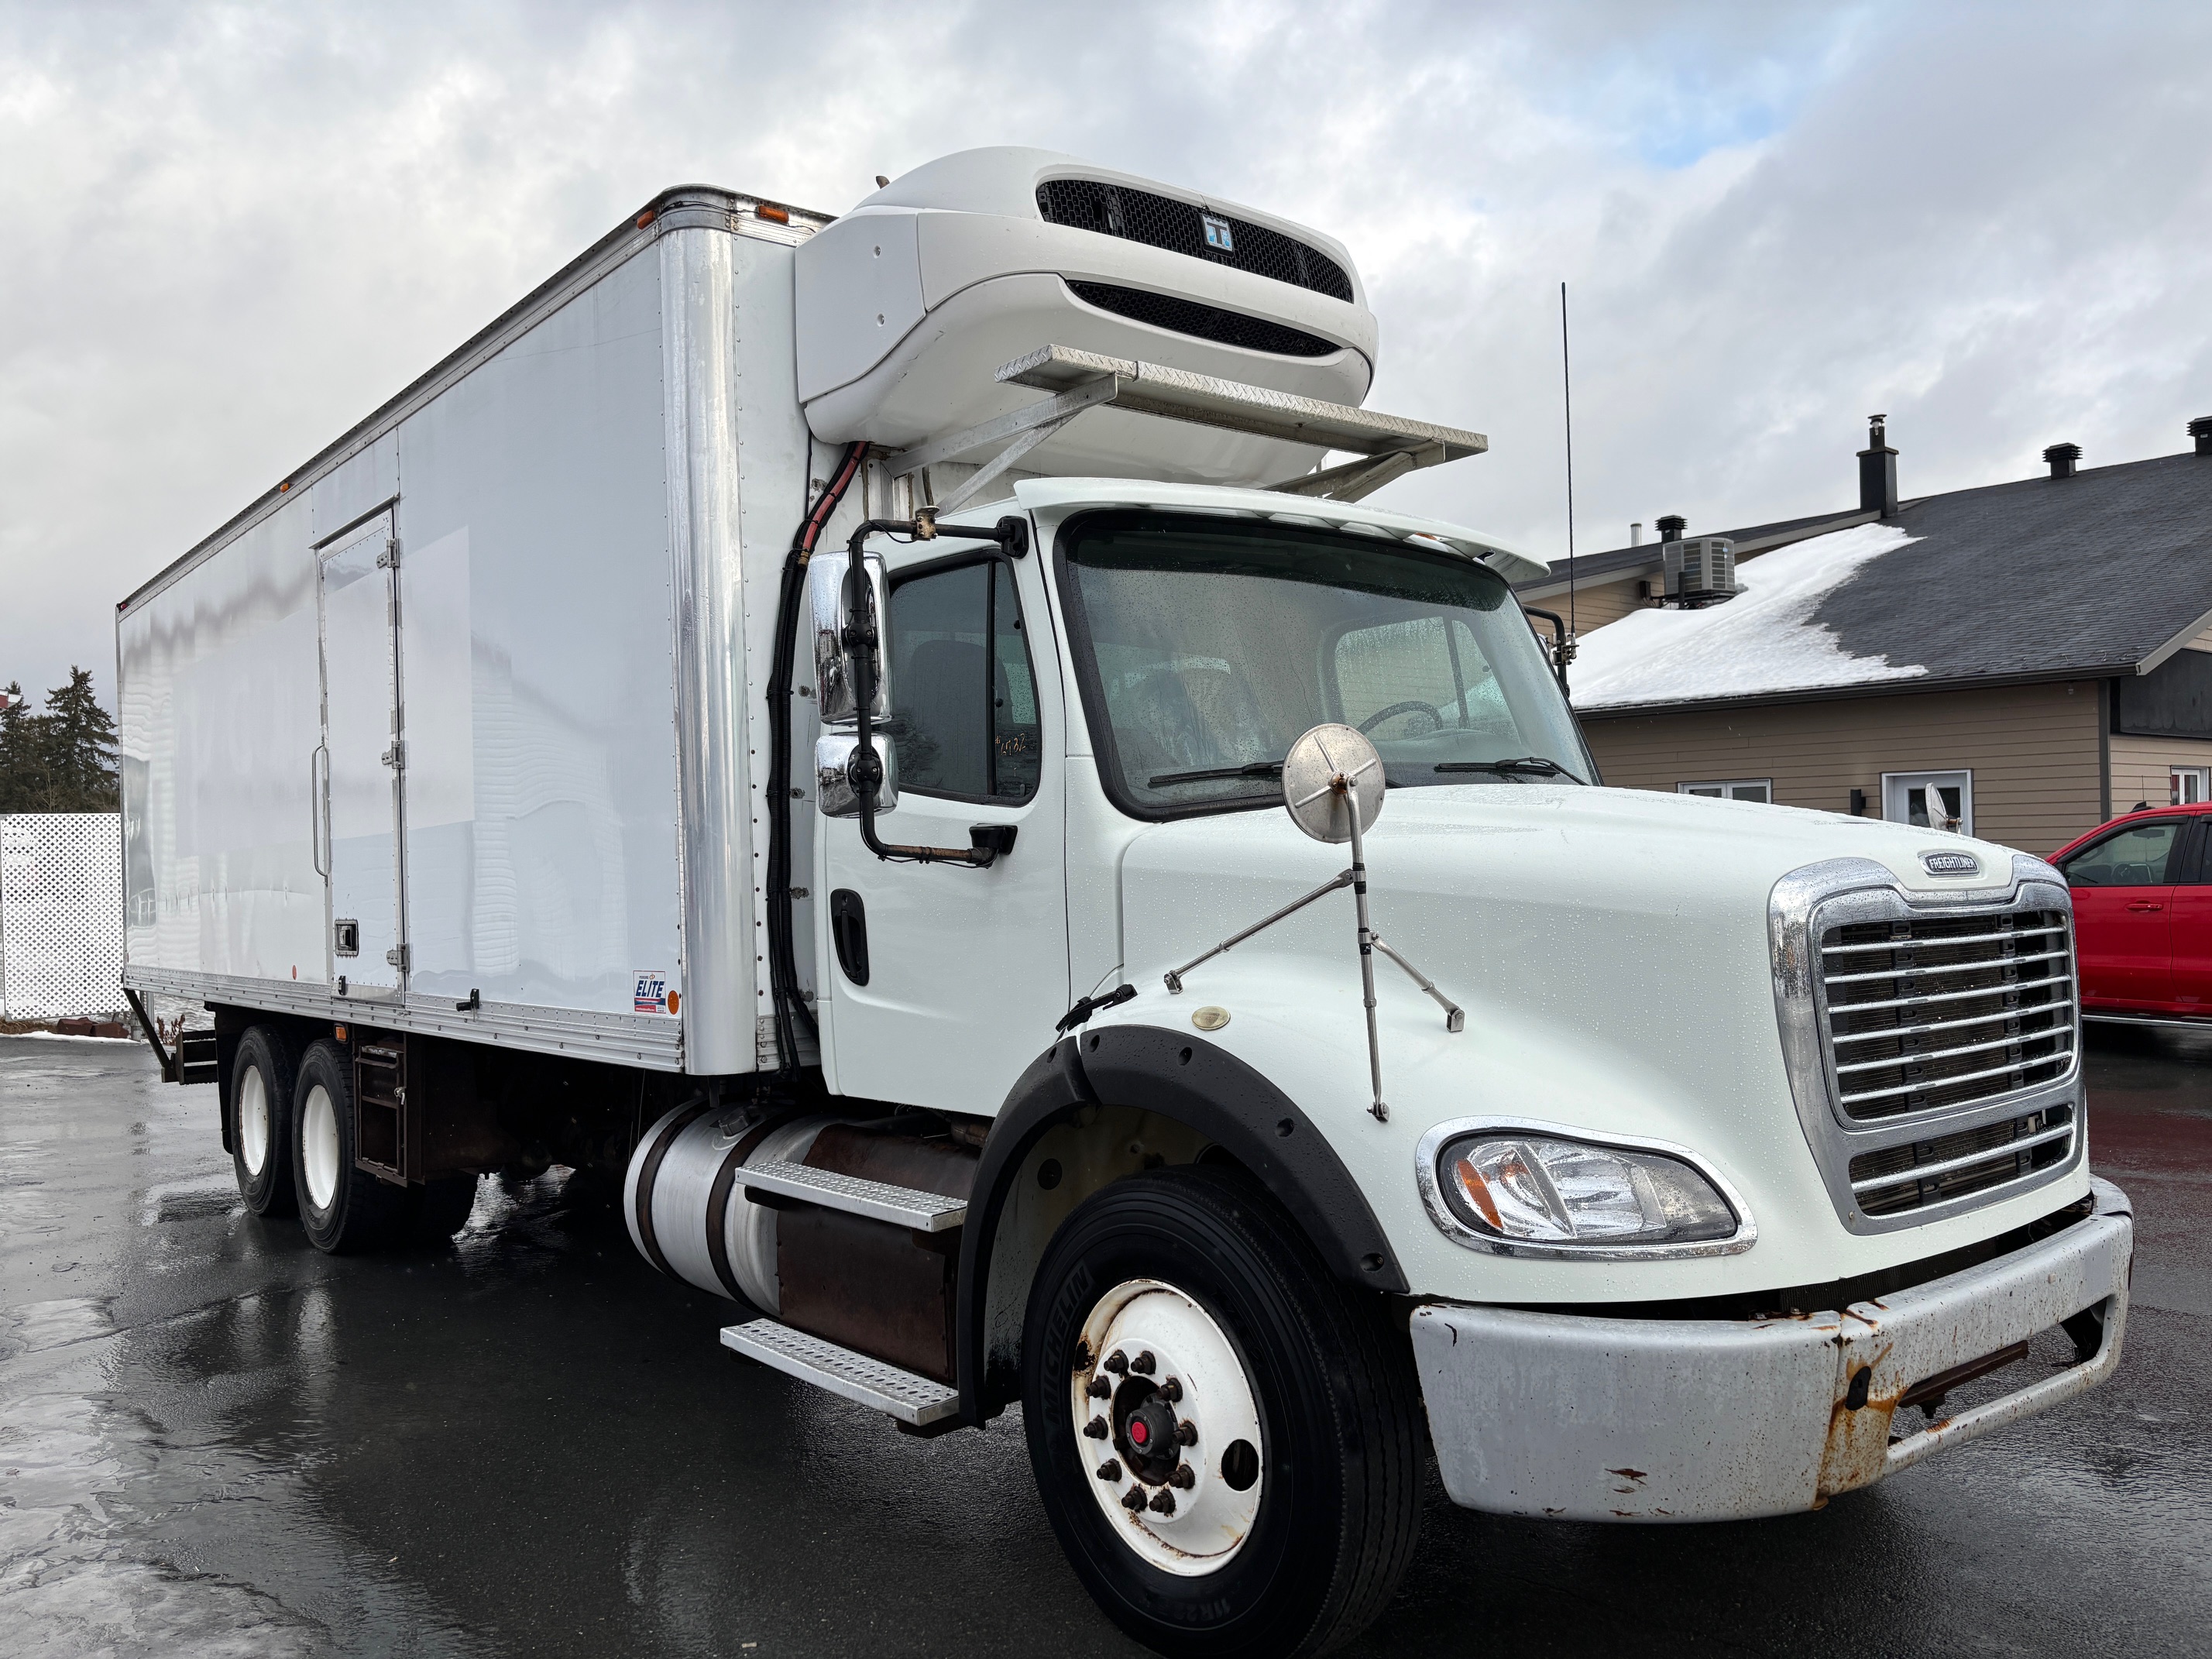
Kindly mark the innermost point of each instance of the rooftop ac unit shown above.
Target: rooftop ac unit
(908, 304)
(1700, 567)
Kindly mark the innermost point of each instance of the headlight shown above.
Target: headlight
(1526, 1188)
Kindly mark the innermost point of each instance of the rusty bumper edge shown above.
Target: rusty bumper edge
(1636, 1419)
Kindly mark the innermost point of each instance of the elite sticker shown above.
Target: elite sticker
(653, 996)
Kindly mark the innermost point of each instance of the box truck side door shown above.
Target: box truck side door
(944, 981)
(362, 761)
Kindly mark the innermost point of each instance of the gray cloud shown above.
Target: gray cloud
(231, 230)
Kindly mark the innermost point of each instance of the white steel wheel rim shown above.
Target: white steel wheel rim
(318, 1146)
(253, 1120)
(1210, 1518)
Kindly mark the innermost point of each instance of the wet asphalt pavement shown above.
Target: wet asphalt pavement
(214, 1440)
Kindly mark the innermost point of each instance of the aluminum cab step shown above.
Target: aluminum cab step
(904, 1206)
(918, 1400)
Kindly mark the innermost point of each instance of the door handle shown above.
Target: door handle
(318, 771)
(2141, 905)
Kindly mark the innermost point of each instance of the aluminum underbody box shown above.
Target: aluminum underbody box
(1660, 1420)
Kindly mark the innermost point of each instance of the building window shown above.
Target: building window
(1760, 789)
(1929, 801)
(2191, 785)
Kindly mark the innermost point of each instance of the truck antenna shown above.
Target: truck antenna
(1567, 390)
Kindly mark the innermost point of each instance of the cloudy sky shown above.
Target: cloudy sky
(228, 231)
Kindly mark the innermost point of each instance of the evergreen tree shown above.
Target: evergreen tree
(22, 763)
(77, 738)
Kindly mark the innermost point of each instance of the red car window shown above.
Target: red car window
(2136, 856)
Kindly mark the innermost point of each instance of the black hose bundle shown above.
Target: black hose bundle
(789, 1008)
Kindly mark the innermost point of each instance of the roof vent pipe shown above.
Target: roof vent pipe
(1636, 529)
(2061, 458)
(2201, 430)
(1878, 470)
(1672, 526)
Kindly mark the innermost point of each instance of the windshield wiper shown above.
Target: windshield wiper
(1255, 769)
(1526, 766)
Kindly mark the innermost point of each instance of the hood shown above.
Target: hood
(1610, 949)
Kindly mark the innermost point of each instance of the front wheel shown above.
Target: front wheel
(1226, 1439)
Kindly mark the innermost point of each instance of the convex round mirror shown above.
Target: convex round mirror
(1331, 773)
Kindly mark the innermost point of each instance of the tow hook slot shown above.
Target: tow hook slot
(1855, 1398)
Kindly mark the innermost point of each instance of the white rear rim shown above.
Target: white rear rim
(1167, 1428)
(253, 1120)
(318, 1146)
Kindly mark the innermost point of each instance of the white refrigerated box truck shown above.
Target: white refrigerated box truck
(784, 722)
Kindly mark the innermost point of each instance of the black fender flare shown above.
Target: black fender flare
(1186, 1078)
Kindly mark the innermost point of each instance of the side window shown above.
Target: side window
(2135, 857)
(962, 690)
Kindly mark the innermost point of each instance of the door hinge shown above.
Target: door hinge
(396, 756)
(397, 957)
(389, 559)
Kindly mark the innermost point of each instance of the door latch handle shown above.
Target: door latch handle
(2140, 905)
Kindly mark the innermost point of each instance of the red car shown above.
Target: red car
(2143, 913)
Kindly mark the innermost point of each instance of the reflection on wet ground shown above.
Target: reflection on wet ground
(214, 1440)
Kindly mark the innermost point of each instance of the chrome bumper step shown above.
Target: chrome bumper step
(918, 1400)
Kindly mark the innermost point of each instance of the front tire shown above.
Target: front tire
(261, 1077)
(343, 1208)
(1226, 1439)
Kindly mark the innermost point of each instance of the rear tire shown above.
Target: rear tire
(1291, 1543)
(343, 1208)
(260, 1106)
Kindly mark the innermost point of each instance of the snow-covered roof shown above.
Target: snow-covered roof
(2104, 574)
(1764, 641)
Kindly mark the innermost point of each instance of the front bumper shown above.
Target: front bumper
(1587, 1419)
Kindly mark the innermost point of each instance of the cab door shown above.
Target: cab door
(362, 763)
(946, 980)
(2122, 923)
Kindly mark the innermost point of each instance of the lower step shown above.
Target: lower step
(918, 1400)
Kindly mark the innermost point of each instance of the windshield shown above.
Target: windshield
(1210, 644)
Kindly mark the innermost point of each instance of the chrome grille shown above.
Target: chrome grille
(1919, 1173)
(1923, 1013)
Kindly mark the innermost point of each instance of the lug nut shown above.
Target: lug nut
(1163, 1502)
(1111, 1470)
(1134, 1499)
(1101, 1388)
(1186, 1433)
(1182, 1477)
(1095, 1428)
(1171, 1390)
(1143, 1364)
(1115, 1362)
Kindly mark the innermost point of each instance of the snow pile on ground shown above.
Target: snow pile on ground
(1762, 640)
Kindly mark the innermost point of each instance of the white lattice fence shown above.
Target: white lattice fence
(61, 914)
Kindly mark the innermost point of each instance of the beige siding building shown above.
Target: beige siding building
(2022, 661)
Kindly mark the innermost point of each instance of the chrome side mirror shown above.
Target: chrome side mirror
(827, 593)
(838, 759)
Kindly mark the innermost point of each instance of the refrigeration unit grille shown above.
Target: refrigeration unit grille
(1203, 321)
(1919, 1173)
(1927, 1013)
(1161, 221)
